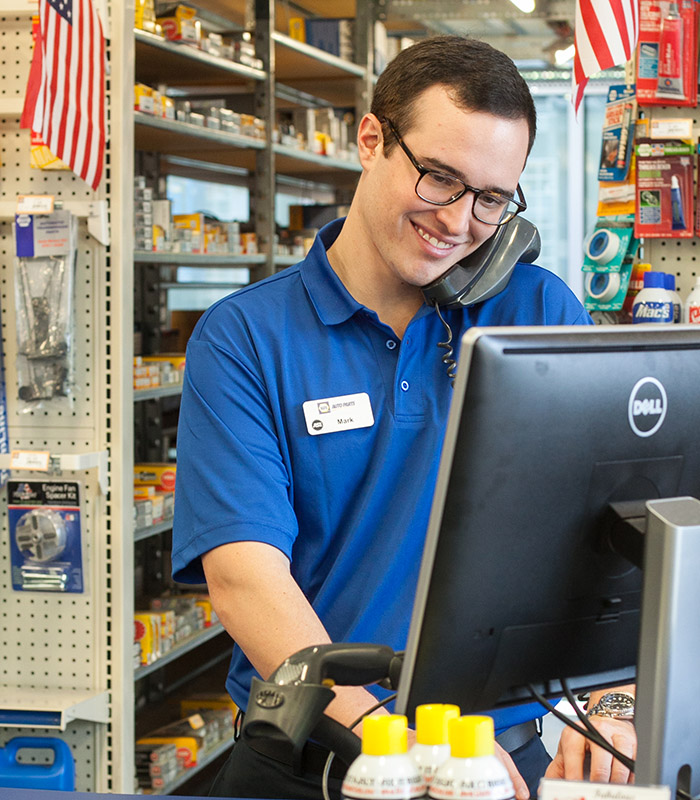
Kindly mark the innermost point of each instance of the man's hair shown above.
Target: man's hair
(477, 77)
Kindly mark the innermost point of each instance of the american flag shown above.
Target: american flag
(65, 101)
(605, 33)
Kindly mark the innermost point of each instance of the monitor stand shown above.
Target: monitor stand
(667, 715)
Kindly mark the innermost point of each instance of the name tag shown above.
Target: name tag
(333, 414)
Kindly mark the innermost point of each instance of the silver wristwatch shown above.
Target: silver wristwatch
(619, 705)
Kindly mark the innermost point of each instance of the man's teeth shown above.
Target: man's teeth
(435, 242)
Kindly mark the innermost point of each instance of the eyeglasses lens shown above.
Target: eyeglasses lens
(436, 187)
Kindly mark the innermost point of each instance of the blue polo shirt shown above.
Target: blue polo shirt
(349, 508)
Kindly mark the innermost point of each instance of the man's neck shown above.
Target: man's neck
(370, 282)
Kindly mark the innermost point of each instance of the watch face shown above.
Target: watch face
(617, 702)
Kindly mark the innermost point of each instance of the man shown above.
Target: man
(309, 534)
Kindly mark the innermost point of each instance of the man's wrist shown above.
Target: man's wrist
(616, 704)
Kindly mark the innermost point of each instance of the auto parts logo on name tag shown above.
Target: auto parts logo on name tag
(332, 414)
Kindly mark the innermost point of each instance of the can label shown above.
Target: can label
(652, 311)
(471, 788)
(373, 787)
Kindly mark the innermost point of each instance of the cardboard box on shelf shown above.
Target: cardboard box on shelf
(159, 475)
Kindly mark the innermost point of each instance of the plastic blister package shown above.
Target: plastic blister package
(45, 536)
(46, 247)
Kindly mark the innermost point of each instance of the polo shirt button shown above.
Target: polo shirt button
(391, 344)
(404, 386)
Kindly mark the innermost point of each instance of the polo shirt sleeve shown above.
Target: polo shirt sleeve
(233, 481)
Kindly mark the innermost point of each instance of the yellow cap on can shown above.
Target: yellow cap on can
(471, 736)
(385, 735)
(431, 722)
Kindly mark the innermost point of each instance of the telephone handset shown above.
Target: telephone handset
(486, 272)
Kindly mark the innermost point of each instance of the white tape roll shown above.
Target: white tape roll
(602, 246)
(602, 286)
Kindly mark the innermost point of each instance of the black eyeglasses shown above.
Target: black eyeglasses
(441, 189)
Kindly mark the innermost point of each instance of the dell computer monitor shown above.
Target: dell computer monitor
(520, 580)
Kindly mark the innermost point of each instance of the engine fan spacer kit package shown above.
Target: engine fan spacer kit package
(45, 536)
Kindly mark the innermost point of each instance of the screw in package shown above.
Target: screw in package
(46, 246)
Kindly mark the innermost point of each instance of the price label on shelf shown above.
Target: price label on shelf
(37, 460)
(35, 204)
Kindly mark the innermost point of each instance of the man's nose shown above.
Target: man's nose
(457, 217)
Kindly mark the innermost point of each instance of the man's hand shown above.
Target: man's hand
(521, 790)
(574, 749)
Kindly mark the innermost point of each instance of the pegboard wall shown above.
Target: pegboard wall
(52, 640)
(679, 257)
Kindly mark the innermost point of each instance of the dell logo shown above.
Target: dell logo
(647, 406)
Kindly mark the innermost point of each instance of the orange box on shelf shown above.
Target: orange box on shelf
(160, 475)
(181, 25)
(194, 223)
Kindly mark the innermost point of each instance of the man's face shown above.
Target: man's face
(415, 241)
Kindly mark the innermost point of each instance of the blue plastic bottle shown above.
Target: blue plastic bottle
(19, 775)
(653, 303)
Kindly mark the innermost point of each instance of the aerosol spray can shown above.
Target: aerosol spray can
(432, 746)
(472, 771)
(384, 769)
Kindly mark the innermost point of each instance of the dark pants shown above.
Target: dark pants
(247, 773)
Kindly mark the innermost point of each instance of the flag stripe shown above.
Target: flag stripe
(69, 103)
(605, 34)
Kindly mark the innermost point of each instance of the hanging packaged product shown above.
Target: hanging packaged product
(664, 206)
(617, 197)
(667, 53)
(608, 255)
(45, 537)
(46, 247)
(618, 133)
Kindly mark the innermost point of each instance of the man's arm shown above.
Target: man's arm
(574, 749)
(267, 615)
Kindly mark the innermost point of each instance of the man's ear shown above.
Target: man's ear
(370, 140)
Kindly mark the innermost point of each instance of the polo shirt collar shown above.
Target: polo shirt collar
(333, 302)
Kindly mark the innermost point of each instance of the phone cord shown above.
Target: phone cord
(447, 359)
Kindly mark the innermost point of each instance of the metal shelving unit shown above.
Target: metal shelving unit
(157, 57)
(152, 530)
(186, 646)
(197, 259)
(203, 760)
(160, 391)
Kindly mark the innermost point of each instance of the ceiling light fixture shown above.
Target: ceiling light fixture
(526, 6)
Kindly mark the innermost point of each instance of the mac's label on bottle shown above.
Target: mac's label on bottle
(652, 311)
(694, 314)
(405, 787)
(453, 787)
